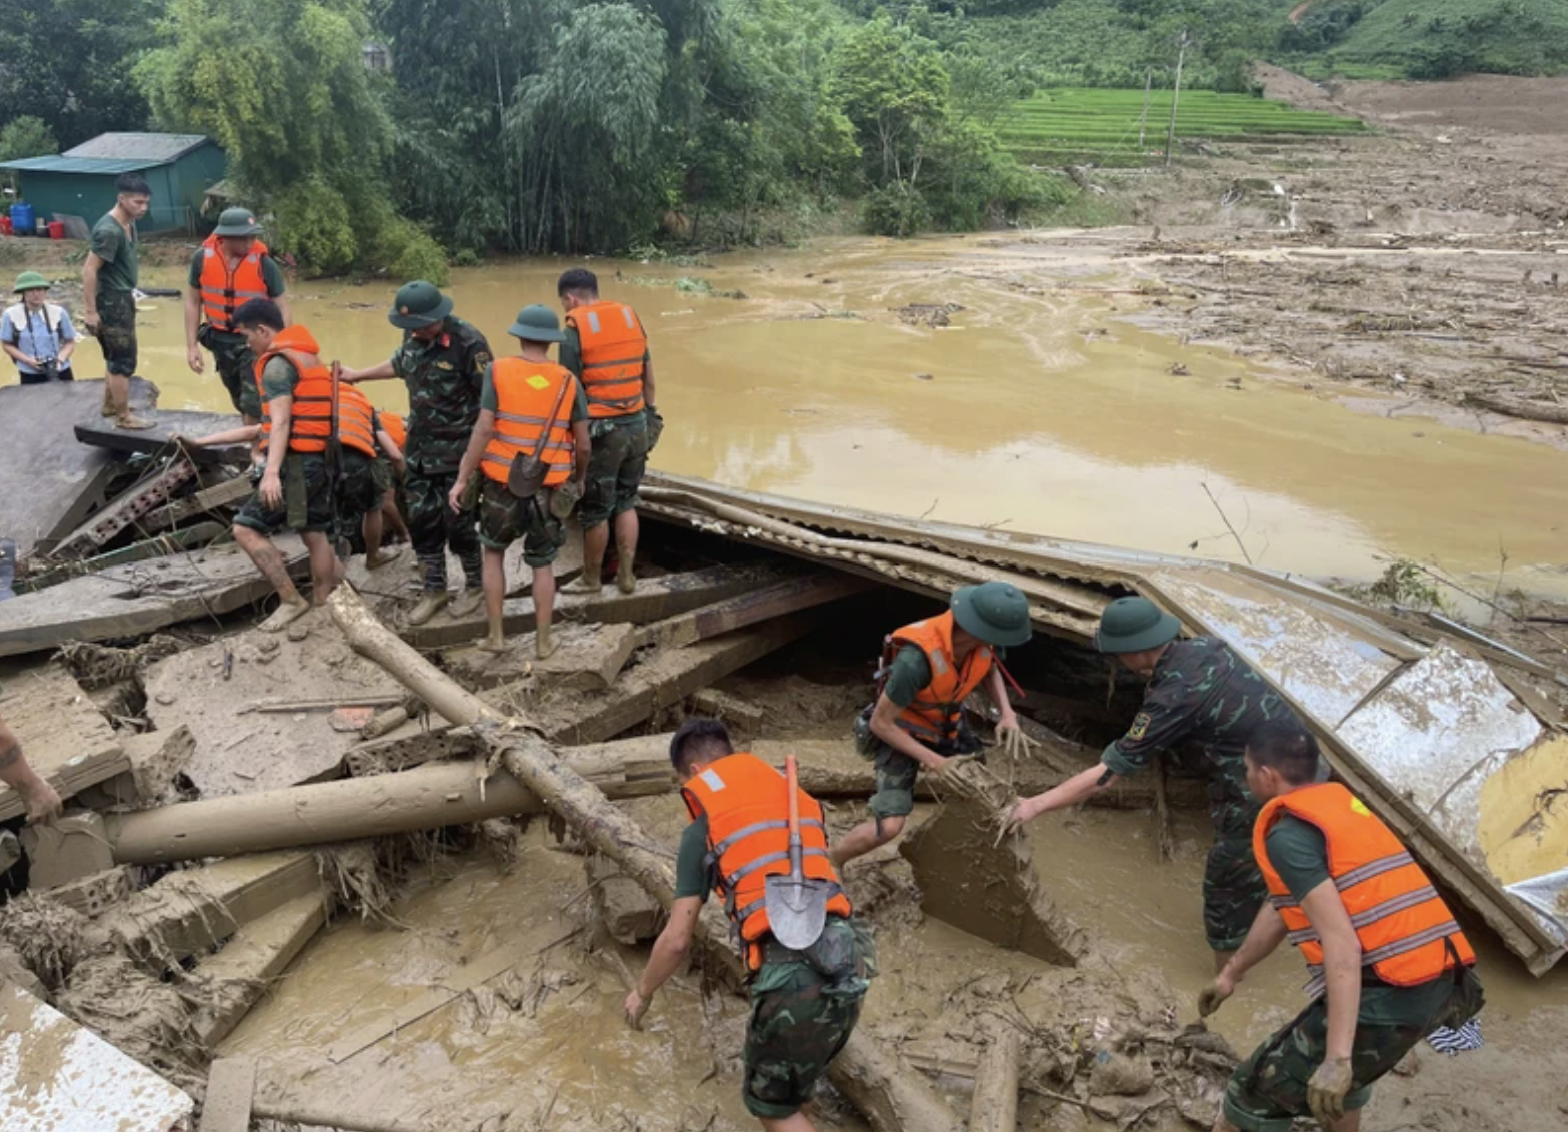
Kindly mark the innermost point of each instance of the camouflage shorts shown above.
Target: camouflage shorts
(1269, 1090)
(896, 774)
(1233, 891)
(618, 459)
(795, 1031)
(117, 331)
(236, 369)
(307, 499)
(504, 518)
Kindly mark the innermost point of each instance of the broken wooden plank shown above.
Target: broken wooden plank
(234, 980)
(981, 881)
(425, 797)
(65, 480)
(627, 912)
(99, 432)
(126, 508)
(190, 912)
(654, 599)
(240, 749)
(740, 715)
(141, 597)
(790, 595)
(64, 736)
(231, 1086)
(58, 1076)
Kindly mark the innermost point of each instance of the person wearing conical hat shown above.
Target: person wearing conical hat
(1200, 692)
(36, 334)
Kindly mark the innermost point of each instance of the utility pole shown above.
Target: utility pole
(1170, 133)
(1143, 119)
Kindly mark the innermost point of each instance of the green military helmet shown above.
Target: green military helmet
(29, 281)
(995, 612)
(237, 222)
(1134, 624)
(418, 304)
(537, 323)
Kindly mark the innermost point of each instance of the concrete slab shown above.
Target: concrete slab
(56, 1076)
(244, 743)
(64, 480)
(136, 598)
(72, 849)
(63, 735)
(588, 659)
(101, 433)
(983, 883)
(235, 979)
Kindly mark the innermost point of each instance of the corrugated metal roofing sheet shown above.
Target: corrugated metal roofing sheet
(62, 164)
(149, 149)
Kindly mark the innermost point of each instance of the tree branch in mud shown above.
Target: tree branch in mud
(890, 1094)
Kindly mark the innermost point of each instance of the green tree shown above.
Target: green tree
(894, 88)
(281, 85)
(26, 137)
(69, 63)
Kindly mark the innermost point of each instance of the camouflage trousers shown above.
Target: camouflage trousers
(1233, 891)
(433, 527)
(798, 1026)
(236, 369)
(1269, 1090)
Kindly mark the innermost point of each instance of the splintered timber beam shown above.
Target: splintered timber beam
(425, 797)
(888, 1093)
(995, 1104)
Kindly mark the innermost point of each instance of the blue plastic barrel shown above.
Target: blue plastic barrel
(22, 219)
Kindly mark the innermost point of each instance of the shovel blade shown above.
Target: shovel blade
(797, 910)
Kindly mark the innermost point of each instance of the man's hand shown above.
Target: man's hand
(1327, 1088)
(455, 496)
(1023, 813)
(341, 372)
(636, 1007)
(90, 320)
(272, 489)
(43, 802)
(1211, 996)
(194, 359)
(1011, 738)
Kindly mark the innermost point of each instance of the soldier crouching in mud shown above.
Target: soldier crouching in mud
(1198, 690)
(804, 1004)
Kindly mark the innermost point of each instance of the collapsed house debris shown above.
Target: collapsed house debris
(234, 792)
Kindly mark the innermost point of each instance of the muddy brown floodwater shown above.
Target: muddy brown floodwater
(1040, 406)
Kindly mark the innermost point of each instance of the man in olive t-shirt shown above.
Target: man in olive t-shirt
(108, 280)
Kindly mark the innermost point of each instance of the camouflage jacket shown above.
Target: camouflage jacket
(444, 377)
(1205, 693)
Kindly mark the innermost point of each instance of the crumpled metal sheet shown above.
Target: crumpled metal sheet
(1547, 897)
(56, 1076)
(1319, 664)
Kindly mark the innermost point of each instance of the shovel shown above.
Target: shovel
(797, 908)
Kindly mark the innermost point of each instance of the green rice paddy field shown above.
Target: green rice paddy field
(1101, 126)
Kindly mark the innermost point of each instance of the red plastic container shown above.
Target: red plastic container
(5, 225)
(56, 230)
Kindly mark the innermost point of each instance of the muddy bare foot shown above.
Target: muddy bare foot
(492, 645)
(128, 421)
(284, 616)
(380, 558)
(544, 643)
(583, 584)
(625, 580)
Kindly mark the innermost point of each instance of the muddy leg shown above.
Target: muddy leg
(269, 560)
(373, 526)
(596, 540)
(544, 610)
(324, 565)
(864, 838)
(394, 517)
(495, 597)
(626, 550)
(796, 1123)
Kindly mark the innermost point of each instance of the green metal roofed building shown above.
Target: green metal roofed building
(80, 182)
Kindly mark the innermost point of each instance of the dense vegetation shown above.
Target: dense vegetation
(558, 125)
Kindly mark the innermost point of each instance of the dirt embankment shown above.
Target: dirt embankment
(1424, 263)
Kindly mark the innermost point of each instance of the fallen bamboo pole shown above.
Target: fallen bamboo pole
(426, 797)
(995, 1104)
(891, 1096)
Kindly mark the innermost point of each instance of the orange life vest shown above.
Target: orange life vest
(310, 418)
(747, 807)
(395, 428)
(1405, 928)
(613, 345)
(526, 393)
(224, 291)
(934, 715)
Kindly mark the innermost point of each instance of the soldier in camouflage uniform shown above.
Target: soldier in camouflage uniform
(1199, 691)
(801, 1015)
(443, 361)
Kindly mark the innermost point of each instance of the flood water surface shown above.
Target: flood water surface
(1039, 407)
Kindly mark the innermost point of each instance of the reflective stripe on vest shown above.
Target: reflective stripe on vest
(933, 717)
(525, 393)
(612, 345)
(224, 291)
(746, 804)
(1401, 922)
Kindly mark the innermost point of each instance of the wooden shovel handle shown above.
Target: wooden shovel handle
(792, 778)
